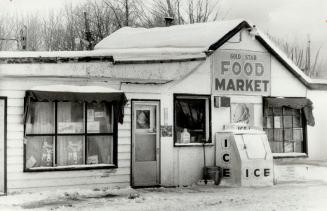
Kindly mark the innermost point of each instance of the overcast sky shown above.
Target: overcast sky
(291, 19)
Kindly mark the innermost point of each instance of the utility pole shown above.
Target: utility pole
(88, 35)
(23, 38)
(309, 56)
(126, 13)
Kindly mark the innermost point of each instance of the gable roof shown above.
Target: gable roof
(201, 37)
(198, 35)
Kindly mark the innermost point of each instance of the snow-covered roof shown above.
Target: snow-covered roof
(199, 35)
(174, 43)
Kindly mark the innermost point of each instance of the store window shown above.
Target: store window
(285, 128)
(69, 134)
(192, 115)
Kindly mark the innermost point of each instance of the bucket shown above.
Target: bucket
(213, 173)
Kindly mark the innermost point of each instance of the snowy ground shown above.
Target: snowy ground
(309, 195)
(300, 186)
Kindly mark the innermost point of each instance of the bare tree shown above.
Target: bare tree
(190, 11)
(300, 55)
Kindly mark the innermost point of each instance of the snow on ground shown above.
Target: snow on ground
(301, 185)
(290, 196)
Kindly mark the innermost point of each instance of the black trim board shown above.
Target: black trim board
(229, 35)
(5, 144)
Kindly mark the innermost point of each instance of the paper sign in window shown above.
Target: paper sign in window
(99, 114)
(93, 127)
(90, 114)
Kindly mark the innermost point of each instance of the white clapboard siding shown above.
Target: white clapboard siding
(124, 140)
(124, 148)
(16, 110)
(15, 135)
(13, 93)
(14, 119)
(125, 126)
(15, 127)
(18, 180)
(19, 102)
(76, 181)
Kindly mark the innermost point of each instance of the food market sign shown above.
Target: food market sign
(241, 72)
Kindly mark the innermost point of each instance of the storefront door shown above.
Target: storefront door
(3, 113)
(145, 143)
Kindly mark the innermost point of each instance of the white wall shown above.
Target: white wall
(317, 135)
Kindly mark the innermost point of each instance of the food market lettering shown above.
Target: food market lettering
(249, 69)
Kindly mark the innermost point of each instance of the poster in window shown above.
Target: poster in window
(74, 152)
(93, 127)
(142, 119)
(242, 113)
(289, 146)
(47, 154)
(166, 131)
(90, 114)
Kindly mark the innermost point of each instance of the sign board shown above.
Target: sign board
(241, 72)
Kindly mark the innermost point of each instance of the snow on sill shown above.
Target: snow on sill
(192, 144)
(289, 155)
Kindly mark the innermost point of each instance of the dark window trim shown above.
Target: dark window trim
(176, 95)
(5, 143)
(305, 134)
(85, 166)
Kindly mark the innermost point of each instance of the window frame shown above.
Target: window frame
(193, 97)
(85, 134)
(284, 154)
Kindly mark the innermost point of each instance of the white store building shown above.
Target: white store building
(136, 110)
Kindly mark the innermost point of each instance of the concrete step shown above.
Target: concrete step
(300, 171)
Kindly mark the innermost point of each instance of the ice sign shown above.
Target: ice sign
(254, 146)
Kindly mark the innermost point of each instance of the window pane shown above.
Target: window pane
(268, 111)
(297, 112)
(270, 134)
(99, 150)
(288, 134)
(288, 146)
(297, 122)
(278, 123)
(287, 121)
(40, 118)
(278, 135)
(298, 134)
(70, 117)
(190, 118)
(99, 118)
(268, 122)
(39, 151)
(298, 146)
(276, 146)
(70, 150)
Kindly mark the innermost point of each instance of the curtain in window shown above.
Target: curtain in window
(295, 103)
(41, 118)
